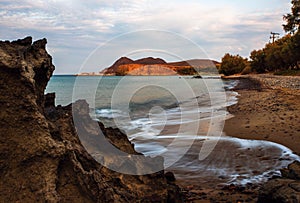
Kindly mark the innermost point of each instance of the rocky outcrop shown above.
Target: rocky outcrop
(114, 68)
(285, 189)
(139, 69)
(41, 156)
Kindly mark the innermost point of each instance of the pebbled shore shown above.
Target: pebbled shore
(267, 109)
(279, 82)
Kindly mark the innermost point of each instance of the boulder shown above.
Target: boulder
(283, 190)
(42, 158)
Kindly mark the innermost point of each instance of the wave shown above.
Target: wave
(154, 127)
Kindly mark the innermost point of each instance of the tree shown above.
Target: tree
(258, 61)
(232, 64)
(295, 44)
(293, 18)
(284, 53)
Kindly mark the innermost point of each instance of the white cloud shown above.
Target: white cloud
(218, 26)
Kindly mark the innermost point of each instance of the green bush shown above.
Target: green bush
(232, 64)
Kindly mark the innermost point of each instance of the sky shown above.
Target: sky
(86, 36)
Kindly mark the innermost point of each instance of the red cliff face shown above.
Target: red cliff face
(140, 69)
(41, 156)
(122, 61)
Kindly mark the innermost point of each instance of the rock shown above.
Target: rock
(170, 177)
(292, 172)
(49, 100)
(285, 189)
(280, 191)
(41, 156)
(27, 41)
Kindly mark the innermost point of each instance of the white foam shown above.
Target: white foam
(108, 113)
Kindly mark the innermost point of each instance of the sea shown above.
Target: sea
(180, 118)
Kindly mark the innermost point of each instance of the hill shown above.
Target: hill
(157, 66)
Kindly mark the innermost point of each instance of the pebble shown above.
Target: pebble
(275, 82)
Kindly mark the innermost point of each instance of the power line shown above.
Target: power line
(273, 36)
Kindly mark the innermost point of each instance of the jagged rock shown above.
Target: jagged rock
(280, 191)
(41, 156)
(283, 190)
(292, 171)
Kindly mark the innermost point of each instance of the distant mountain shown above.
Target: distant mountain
(114, 68)
(150, 61)
(196, 63)
(157, 66)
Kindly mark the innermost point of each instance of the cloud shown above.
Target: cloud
(74, 28)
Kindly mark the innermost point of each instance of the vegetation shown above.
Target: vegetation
(288, 72)
(293, 18)
(281, 56)
(232, 64)
(186, 71)
(247, 70)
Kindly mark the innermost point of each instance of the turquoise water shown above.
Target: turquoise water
(63, 86)
(144, 105)
(179, 118)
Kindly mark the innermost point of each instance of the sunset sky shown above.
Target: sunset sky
(75, 28)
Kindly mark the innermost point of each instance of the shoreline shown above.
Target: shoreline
(266, 110)
(260, 110)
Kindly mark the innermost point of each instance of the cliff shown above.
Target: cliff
(41, 156)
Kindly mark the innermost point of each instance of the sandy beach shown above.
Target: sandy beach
(268, 109)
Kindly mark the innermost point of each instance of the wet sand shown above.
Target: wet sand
(247, 154)
(268, 109)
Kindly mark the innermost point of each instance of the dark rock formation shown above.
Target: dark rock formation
(41, 156)
(285, 189)
(170, 177)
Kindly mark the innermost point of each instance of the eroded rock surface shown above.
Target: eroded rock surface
(285, 189)
(41, 156)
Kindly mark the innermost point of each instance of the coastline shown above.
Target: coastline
(267, 109)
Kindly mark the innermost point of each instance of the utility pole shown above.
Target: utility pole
(274, 36)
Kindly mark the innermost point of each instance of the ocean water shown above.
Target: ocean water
(179, 118)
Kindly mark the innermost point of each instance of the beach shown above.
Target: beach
(268, 109)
